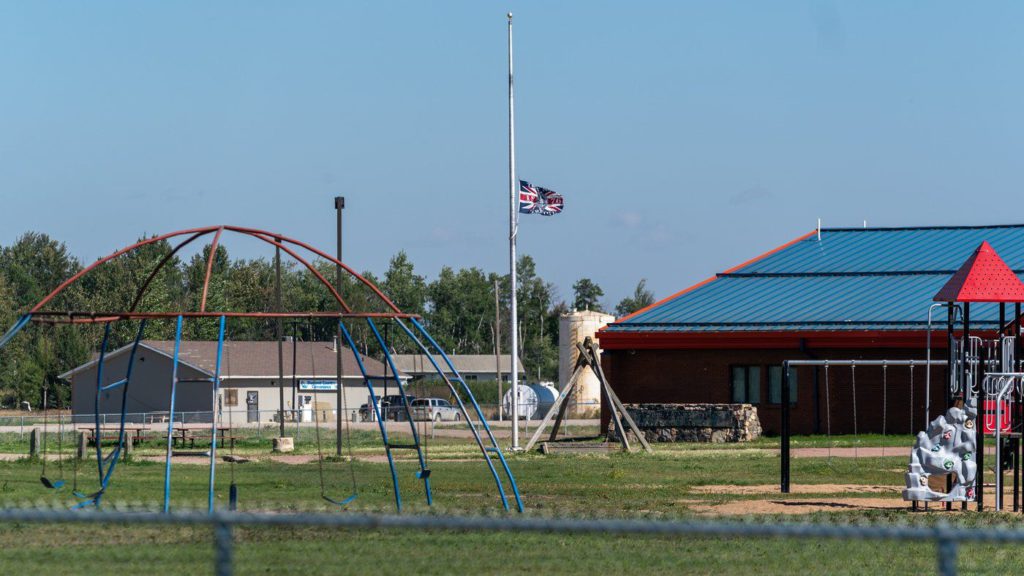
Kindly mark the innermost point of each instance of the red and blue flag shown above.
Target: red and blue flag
(528, 197)
(537, 200)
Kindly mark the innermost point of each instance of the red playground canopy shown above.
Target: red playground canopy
(984, 277)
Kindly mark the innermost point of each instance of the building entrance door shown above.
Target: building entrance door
(252, 404)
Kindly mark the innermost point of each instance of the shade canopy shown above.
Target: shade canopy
(984, 277)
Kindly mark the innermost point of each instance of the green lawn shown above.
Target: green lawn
(307, 552)
(663, 485)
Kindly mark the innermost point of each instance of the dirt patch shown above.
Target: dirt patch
(797, 489)
(293, 458)
(850, 452)
(745, 507)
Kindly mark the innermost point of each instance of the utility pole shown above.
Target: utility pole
(339, 206)
(497, 347)
(279, 326)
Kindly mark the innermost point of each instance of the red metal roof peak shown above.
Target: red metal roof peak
(984, 277)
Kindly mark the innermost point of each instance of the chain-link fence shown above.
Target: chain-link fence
(22, 421)
(221, 529)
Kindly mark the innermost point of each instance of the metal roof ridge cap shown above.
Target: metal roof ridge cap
(842, 273)
(936, 227)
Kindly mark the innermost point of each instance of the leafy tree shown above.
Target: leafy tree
(457, 306)
(641, 298)
(121, 285)
(462, 311)
(587, 295)
(195, 277)
(538, 344)
(8, 309)
(403, 286)
(34, 266)
(249, 287)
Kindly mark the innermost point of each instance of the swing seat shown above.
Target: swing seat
(51, 484)
(344, 502)
(89, 500)
(83, 504)
(422, 474)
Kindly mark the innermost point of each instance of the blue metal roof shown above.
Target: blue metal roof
(850, 279)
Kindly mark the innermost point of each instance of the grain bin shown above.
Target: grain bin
(574, 327)
(534, 400)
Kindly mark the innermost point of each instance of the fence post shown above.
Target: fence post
(33, 443)
(946, 549)
(223, 554)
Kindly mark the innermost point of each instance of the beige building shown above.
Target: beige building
(470, 366)
(250, 385)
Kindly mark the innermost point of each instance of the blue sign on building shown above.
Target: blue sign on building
(318, 385)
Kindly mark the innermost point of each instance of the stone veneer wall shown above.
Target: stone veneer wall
(694, 422)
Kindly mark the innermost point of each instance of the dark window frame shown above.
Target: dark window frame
(794, 395)
(748, 385)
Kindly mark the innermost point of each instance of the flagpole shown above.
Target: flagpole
(513, 190)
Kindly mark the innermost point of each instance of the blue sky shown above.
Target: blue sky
(686, 137)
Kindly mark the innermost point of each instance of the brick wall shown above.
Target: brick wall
(681, 376)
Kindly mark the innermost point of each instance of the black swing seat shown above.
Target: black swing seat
(53, 485)
(403, 446)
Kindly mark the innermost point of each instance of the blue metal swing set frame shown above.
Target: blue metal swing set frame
(418, 335)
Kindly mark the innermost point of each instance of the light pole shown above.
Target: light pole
(339, 206)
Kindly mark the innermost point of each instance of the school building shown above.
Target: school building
(834, 293)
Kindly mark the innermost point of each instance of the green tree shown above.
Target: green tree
(587, 295)
(462, 311)
(34, 266)
(121, 285)
(403, 286)
(641, 298)
(538, 344)
(216, 294)
(249, 287)
(8, 309)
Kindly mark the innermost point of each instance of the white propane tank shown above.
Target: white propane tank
(534, 400)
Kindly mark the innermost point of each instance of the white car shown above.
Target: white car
(435, 409)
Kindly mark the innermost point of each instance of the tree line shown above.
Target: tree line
(457, 306)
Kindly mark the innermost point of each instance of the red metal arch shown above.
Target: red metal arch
(281, 241)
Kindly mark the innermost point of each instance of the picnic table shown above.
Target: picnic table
(190, 434)
(133, 434)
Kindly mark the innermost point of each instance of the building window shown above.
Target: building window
(746, 384)
(231, 397)
(775, 385)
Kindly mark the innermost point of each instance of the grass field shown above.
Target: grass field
(679, 481)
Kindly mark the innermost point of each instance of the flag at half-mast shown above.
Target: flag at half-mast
(537, 200)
